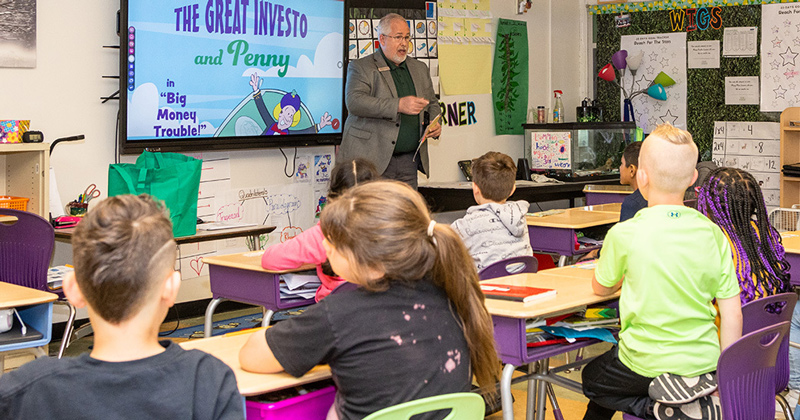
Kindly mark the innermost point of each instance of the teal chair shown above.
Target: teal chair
(464, 405)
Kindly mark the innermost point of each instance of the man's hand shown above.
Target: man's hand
(434, 132)
(412, 105)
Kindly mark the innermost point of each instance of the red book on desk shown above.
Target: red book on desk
(516, 293)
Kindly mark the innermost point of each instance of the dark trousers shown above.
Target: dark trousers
(403, 168)
(610, 387)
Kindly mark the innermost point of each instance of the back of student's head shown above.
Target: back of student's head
(631, 153)
(494, 173)
(385, 226)
(668, 156)
(732, 199)
(349, 173)
(121, 249)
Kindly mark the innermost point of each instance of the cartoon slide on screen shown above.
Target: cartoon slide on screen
(269, 112)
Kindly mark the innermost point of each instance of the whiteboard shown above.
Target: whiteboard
(551, 150)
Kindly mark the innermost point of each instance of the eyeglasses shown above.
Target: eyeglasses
(405, 38)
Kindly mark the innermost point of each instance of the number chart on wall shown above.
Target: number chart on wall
(754, 147)
(551, 150)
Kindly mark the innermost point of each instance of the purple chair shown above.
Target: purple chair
(768, 311)
(509, 266)
(746, 375)
(25, 250)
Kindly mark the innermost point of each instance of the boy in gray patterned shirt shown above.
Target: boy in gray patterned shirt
(494, 229)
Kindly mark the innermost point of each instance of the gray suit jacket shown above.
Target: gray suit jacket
(373, 121)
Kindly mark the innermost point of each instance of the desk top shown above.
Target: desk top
(12, 296)
(615, 208)
(226, 348)
(200, 236)
(249, 261)
(608, 189)
(572, 292)
(791, 241)
(576, 218)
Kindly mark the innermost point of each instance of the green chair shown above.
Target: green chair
(464, 405)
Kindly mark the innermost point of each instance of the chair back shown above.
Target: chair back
(746, 374)
(784, 220)
(768, 311)
(463, 405)
(25, 249)
(509, 266)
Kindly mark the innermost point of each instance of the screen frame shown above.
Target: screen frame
(215, 143)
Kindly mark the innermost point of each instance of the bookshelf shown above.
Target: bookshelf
(27, 174)
(790, 153)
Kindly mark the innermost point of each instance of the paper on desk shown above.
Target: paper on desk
(296, 281)
(55, 275)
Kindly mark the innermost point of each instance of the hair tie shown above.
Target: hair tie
(430, 228)
(430, 231)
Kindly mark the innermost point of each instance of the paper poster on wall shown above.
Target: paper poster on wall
(780, 66)
(740, 42)
(662, 53)
(551, 150)
(323, 164)
(754, 147)
(510, 77)
(290, 208)
(302, 169)
(215, 179)
(703, 54)
(741, 90)
(18, 32)
(464, 57)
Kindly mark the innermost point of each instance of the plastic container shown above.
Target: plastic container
(558, 107)
(311, 406)
(14, 203)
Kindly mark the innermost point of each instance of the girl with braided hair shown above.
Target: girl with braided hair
(732, 199)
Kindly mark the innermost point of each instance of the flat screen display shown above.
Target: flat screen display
(227, 74)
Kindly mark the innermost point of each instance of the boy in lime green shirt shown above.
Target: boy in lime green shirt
(671, 263)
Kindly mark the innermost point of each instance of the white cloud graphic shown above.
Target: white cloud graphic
(327, 62)
(143, 114)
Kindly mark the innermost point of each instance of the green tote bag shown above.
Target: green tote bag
(170, 177)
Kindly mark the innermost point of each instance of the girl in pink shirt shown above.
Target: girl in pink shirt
(306, 248)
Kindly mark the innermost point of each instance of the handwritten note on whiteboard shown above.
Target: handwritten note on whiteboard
(551, 150)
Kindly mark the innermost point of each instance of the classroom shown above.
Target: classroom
(253, 105)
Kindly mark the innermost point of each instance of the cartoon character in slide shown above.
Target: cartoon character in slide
(285, 115)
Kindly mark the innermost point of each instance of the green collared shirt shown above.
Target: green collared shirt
(408, 137)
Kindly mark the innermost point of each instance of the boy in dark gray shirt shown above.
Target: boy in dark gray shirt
(124, 257)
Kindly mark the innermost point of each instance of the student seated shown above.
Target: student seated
(124, 257)
(627, 176)
(306, 248)
(413, 325)
(494, 229)
(675, 262)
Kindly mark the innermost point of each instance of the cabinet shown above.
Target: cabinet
(27, 174)
(790, 154)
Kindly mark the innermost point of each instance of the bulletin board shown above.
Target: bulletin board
(705, 87)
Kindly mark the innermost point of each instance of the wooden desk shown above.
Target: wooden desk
(791, 244)
(452, 196)
(200, 236)
(615, 208)
(574, 291)
(602, 194)
(240, 277)
(556, 233)
(35, 307)
(226, 348)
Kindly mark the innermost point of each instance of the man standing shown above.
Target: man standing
(387, 96)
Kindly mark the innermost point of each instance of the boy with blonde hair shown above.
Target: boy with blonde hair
(494, 229)
(124, 257)
(666, 253)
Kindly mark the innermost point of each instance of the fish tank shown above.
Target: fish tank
(578, 151)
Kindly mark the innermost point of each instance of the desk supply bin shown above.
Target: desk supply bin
(313, 405)
(577, 151)
(14, 203)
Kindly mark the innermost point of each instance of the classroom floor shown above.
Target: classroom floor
(572, 404)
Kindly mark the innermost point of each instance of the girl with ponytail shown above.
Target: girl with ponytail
(732, 199)
(414, 325)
